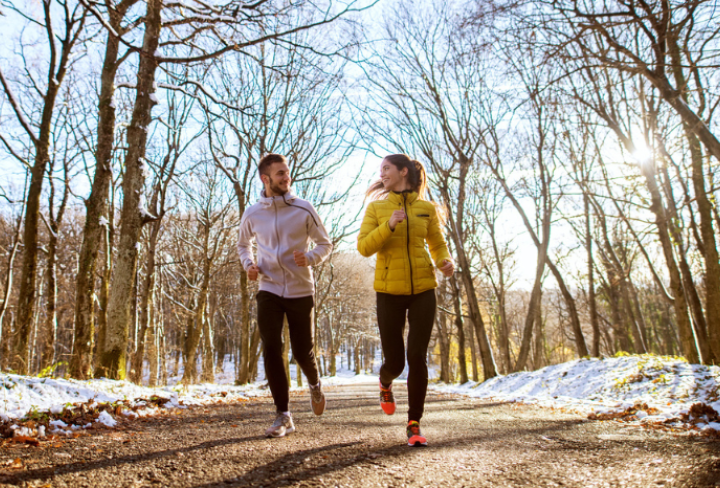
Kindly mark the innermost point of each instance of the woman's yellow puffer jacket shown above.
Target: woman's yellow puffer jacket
(403, 263)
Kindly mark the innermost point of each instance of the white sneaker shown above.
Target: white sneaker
(282, 426)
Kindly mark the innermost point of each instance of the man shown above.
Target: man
(282, 226)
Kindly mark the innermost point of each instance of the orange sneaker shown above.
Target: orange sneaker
(415, 437)
(387, 400)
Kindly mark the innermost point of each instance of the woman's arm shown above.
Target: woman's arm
(372, 235)
(436, 241)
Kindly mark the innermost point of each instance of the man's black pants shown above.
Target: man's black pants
(420, 312)
(271, 312)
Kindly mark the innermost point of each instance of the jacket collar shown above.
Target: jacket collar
(268, 201)
(398, 198)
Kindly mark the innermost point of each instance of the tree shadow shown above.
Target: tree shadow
(49, 472)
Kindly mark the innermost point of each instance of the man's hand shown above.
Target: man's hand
(397, 217)
(447, 268)
(253, 272)
(300, 258)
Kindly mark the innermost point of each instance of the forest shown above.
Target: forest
(571, 143)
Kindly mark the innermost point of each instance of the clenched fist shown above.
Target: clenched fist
(300, 258)
(397, 217)
(253, 272)
(447, 268)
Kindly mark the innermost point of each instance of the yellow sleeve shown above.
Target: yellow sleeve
(372, 235)
(436, 241)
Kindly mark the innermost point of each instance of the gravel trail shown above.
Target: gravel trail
(472, 443)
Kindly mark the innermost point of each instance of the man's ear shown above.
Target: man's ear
(264, 179)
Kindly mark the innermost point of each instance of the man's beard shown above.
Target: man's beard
(276, 189)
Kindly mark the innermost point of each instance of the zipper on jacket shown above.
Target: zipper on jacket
(407, 216)
(277, 250)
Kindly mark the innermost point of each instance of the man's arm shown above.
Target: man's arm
(318, 234)
(245, 239)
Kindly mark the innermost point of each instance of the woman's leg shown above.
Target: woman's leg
(421, 315)
(391, 311)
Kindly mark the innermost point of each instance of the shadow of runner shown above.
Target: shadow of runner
(287, 469)
(45, 473)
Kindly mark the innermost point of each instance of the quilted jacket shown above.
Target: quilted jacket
(403, 262)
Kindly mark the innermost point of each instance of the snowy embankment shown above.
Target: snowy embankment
(651, 390)
(32, 407)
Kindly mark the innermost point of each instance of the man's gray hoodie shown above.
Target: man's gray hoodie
(279, 226)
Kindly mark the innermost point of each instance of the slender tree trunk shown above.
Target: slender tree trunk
(104, 292)
(254, 354)
(113, 360)
(595, 324)
(50, 328)
(473, 356)
(286, 348)
(146, 305)
(208, 371)
(5, 337)
(460, 328)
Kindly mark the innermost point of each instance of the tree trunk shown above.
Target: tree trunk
(460, 328)
(687, 338)
(50, 327)
(113, 360)
(104, 292)
(96, 206)
(254, 354)
(473, 355)
(594, 323)
(208, 368)
(146, 305)
(286, 348)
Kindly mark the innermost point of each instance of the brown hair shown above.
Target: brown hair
(416, 177)
(267, 160)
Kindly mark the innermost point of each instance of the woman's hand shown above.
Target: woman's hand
(447, 268)
(397, 217)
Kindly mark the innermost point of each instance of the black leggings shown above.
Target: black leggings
(271, 312)
(420, 311)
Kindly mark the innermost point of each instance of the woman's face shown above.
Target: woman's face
(392, 178)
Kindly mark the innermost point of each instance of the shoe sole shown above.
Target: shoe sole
(287, 431)
(386, 412)
(417, 441)
(320, 406)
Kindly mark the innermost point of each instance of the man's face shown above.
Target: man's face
(278, 178)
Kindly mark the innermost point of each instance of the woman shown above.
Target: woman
(397, 225)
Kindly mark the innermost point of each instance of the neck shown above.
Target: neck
(400, 187)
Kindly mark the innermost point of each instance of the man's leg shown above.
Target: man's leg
(421, 315)
(270, 323)
(299, 315)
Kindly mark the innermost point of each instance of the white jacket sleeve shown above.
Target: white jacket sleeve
(245, 242)
(318, 234)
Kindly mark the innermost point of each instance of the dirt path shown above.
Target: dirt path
(472, 443)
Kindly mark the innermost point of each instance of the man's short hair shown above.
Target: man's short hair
(268, 160)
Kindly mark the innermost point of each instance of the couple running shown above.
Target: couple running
(398, 224)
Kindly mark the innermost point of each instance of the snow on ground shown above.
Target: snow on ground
(65, 405)
(646, 389)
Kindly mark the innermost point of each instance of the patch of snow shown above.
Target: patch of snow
(106, 419)
(668, 386)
